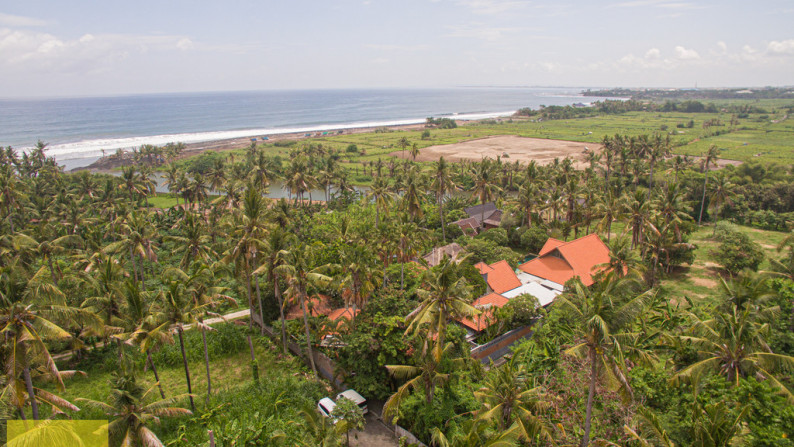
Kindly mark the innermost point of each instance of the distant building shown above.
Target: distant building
(481, 217)
(452, 251)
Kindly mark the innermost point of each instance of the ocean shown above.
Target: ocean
(78, 130)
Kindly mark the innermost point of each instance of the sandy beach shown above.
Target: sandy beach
(193, 149)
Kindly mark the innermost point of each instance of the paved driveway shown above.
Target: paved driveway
(375, 434)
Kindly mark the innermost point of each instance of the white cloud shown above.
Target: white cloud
(492, 6)
(666, 4)
(653, 53)
(14, 21)
(184, 44)
(785, 47)
(388, 47)
(490, 34)
(26, 51)
(723, 47)
(686, 53)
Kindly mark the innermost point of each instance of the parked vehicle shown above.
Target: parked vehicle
(353, 395)
(326, 406)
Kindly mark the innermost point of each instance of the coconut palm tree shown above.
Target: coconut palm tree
(445, 295)
(638, 210)
(194, 240)
(28, 310)
(485, 187)
(670, 206)
(604, 314)
(45, 248)
(248, 232)
(428, 373)
(379, 191)
(275, 248)
(412, 197)
(610, 208)
(184, 300)
(403, 143)
(414, 151)
(132, 411)
(358, 279)
(442, 183)
(300, 272)
(322, 432)
(711, 159)
(508, 397)
(733, 343)
(142, 329)
(131, 182)
(475, 433)
(408, 237)
(723, 193)
(12, 193)
(138, 240)
(530, 200)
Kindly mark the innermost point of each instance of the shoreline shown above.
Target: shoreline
(109, 163)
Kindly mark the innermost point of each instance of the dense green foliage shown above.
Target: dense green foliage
(636, 357)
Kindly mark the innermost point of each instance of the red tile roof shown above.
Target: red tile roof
(483, 268)
(485, 318)
(316, 306)
(560, 261)
(502, 277)
(344, 312)
(550, 245)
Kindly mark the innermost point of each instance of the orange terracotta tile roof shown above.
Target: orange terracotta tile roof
(483, 267)
(344, 312)
(316, 306)
(560, 261)
(550, 245)
(502, 277)
(485, 318)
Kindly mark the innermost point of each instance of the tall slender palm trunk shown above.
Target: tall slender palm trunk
(31, 394)
(703, 200)
(207, 364)
(281, 314)
(590, 395)
(441, 214)
(187, 370)
(308, 335)
(250, 297)
(259, 302)
(156, 376)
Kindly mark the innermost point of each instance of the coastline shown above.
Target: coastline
(109, 163)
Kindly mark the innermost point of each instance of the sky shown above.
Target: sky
(110, 47)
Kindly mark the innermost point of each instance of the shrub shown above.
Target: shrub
(496, 235)
(534, 238)
(519, 311)
(426, 135)
(351, 149)
(737, 252)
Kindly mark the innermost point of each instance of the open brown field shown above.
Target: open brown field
(510, 147)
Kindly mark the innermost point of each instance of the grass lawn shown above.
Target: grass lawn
(227, 372)
(162, 201)
(701, 280)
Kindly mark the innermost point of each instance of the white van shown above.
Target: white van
(355, 397)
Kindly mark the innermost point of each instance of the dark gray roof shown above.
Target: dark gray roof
(479, 210)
